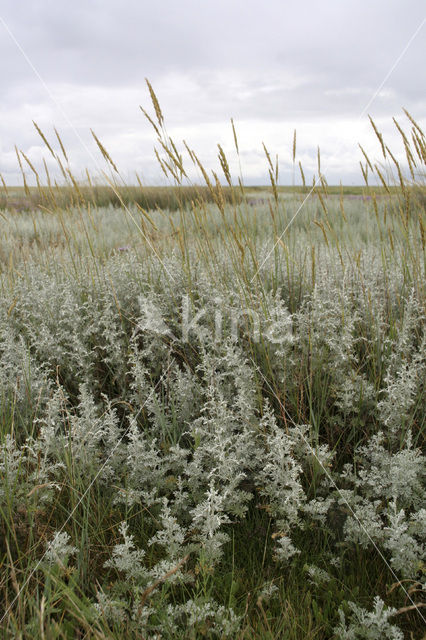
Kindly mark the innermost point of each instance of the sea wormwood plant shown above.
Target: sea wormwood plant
(246, 474)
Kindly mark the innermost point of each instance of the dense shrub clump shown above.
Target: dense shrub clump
(166, 438)
(212, 424)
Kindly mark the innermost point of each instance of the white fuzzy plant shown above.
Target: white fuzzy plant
(195, 448)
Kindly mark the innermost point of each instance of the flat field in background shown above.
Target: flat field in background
(18, 198)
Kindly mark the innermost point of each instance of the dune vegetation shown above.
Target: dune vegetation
(212, 403)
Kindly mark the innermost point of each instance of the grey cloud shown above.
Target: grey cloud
(117, 43)
(208, 60)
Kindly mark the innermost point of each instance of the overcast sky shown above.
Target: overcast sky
(273, 67)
